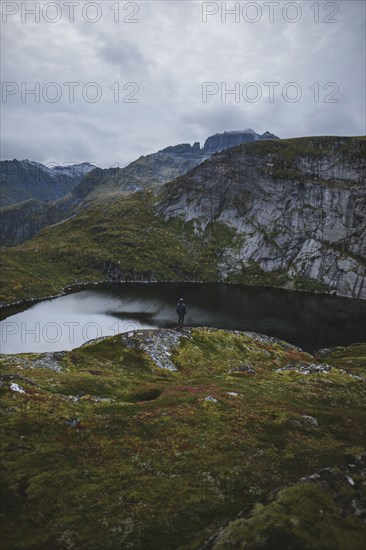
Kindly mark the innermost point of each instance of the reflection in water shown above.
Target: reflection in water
(310, 321)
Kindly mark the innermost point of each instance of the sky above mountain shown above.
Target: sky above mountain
(115, 80)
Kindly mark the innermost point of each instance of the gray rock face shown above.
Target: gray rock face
(299, 207)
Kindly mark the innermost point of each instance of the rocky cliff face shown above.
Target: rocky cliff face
(298, 207)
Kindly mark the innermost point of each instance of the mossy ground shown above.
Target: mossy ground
(152, 464)
(304, 516)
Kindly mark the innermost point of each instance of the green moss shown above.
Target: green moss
(342, 249)
(252, 274)
(310, 285)
(151, 463)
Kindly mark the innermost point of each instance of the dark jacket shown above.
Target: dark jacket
(181, 308)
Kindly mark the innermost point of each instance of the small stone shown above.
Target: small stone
(16, 387)
(309, 420)
(358, 511)
(210, 398)
(242, 368)
(350, 480)
(305, 368)
(72, 422)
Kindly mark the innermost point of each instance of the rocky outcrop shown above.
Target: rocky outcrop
(157, 344)
(297, 207)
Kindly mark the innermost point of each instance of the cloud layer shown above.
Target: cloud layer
(167, 51)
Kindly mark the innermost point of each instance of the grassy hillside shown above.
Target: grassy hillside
(163, 457)
(119, 239)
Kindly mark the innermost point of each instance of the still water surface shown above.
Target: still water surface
(311, 321)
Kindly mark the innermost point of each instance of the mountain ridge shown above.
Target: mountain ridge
(281, 213)
(22, 221)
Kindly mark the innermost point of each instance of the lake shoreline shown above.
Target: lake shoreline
(308, 320)
(24, 304)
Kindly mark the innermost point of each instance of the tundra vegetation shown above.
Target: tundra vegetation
(156, 439)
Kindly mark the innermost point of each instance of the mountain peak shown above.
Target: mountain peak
(218, 142)
(269, 135)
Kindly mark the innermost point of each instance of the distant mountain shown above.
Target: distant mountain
(219, 142)
(22, 180)
(278, 213)
(21, 222)
(167, 164)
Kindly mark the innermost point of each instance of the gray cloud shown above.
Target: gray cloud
(169, 53)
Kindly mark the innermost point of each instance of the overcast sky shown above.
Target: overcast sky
(167, 50)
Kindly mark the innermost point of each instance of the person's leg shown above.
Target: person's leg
(183, 318)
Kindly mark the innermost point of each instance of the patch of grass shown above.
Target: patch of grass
(252, 274)
(310, 285)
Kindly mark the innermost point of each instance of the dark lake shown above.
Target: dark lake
(311, 321)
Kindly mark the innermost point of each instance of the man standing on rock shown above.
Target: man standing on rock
(181, 310)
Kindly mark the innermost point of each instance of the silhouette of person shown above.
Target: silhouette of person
(181, 310)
